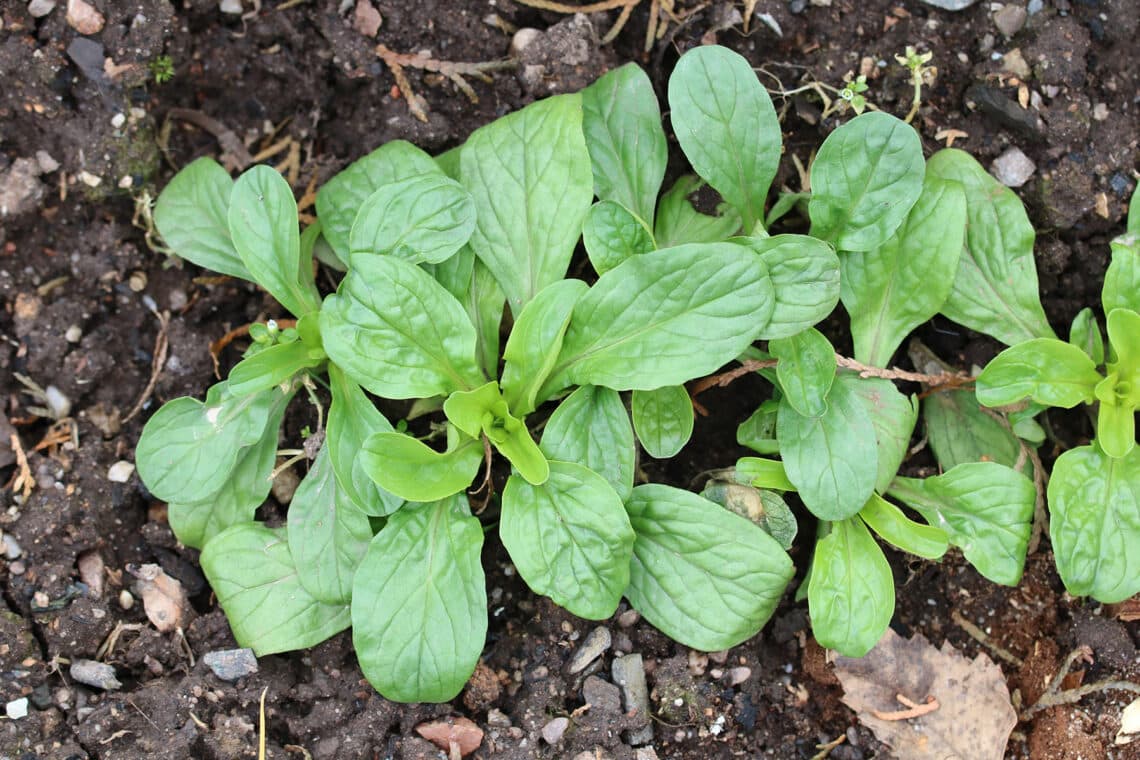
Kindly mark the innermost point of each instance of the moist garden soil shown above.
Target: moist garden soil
(85, 131)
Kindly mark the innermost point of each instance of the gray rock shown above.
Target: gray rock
(12, 549)
(629, 675)
(231, 664)
(41, 8)
(1010, 19)
(602, 696)
(97, 674)
(591, 649)
(1035, 6)
(1013, 168)
(552, 732)
(951, 5)
(993, 104)
(20, 188)
(645, 753)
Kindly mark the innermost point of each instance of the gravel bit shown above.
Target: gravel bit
(97, 674)
(951, 5)
(18, 708)
(1013, 168)
(591, 649)
(231, 664)
(552, 732)
(629, 675)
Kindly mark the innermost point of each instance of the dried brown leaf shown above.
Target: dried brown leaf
(164, 600)
(969, 693)
(445, 732)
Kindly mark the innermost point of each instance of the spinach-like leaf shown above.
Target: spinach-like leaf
(984, 507)
(472, 284)
(612, 234)
(805, 277)
(529, 175)
(327, 534)
(570, 538)
(622, 125)
(192, 215)
(259, 587)
(864, 181)
(704, 576)
(678, 222)
(424, 218)
(419, 603)
(832, 459)
(763, 473)
(412, 470)
(995, 289)
(895, 287)
(959, 431)
(766, 509)
(664, 317)
(851, 592)
(806, 370)
(1046, 370)
(1094, 505)
(893, 416)
(263, 225)
(591, 427)
(273, 366)
(1122, 280)
(758, 432)
(663, 419)
(535, 341)
(397, 332)
(889, 522)
(1085, 334)
(727, 126)
(352, 418)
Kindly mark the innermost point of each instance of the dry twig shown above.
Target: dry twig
(453, 70)
(22, 480)
(1054, 696)
(158, 361)
(978, 635)
(914, 709)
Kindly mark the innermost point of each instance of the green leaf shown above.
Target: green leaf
(1124, 339)
(831, 459)
(851, 592)
(340, 198)
(570, 539)
(424, 218)
(704, 576)
(959, 431)
(257, 583)
(484, 412)
(664, 317)
(663, 420)
(893, 416)
(473, 285)
(1085, 334)
(188, 449)
(864, 181)
(895, 287)
(766, 509)
(889, 522)
(419, 603)
(1122, 280)
(984, 507)
(1094, 505)
(622, 126)
(785, 202)
(263, 224)
(678, 222)
(727, 126)
(591, 427)
(995, 289)
(465, 409)
(1116, 426)
(534, 343)
(1134, 214)
(805, 276)
(763, 473)
(529, 174)
(327, 534)
(273, 366)
(352, 418)
(1046, 370)
(412, 470)
(192, 215)
(397, 332)
(806, 370)
(758, 432)
(612, 234)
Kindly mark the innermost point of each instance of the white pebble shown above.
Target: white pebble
(17, 708)
(121, 471)
(1013, 168)
(118, 120)
(58, 404)
(126, 600)
(73, 334)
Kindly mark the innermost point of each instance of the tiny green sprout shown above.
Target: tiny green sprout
(853, 93)
(920, 74)
(162, 69)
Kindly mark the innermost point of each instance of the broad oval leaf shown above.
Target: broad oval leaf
(257, 583)
(864, 181)
(570, 538)
(679, 222)
(1046, 370)
(473, 285)
(591, 427)
(352, 418)
(889, 522)
(397, 332)
(805, 278)
(411, 470)
(272, 366)
(529, 175)
(426, 218)
(612, 234)
(662, 419)
(263, 224)
(1094, 506)
(727, 126)
(832, 459)
(702, 575)
(622, 124)
(893, 416)
(806, 370)
(192, 215)
(1122, 280)
(959, 431)
(665, 317)
(851, 592)
(419, 603)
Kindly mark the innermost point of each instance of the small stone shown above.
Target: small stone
(12, 548)
(522, 38)
(366, 19)
(1010, 19)
(17, 708)
(46, 162)
(737, 676)
(41, 697)
(17, 568)
(40, 601)
(591, 649)
(126, 599)
(1035, 7)
(232, 7)
(552, 732)
(62, 697)
(629, 675)
(285, 485)
(496, 718)
(89, 179)
(177, 299)
(1100, 112)
(231, 664)
(58, 404)
(1013, 168)
(126, 182)
(645, 753)
(121, 471)
(97, 674)
(628, 618)
(1014, 62)
(137, 281)
(951, 5)
(74, 334)
(20, 188)
(91, 568)
(83, 18)
(41, 8)
(602, 696)
(118, 120)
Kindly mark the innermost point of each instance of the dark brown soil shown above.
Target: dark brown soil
(79, 282)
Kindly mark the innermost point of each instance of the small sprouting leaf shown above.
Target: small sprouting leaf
(663, 420)
(1094, 506)
(273, 366)
(864, 181)
(192, 215)
(426, 218)
(1115, 421)
(889, 522)
(762, 473)
(805, 278)
(678, 222)
(258, 585)
(1122, 280)
(397, 332)
(727, 126)
(1046, 370)
(535, 341)
(612, 234)
(985, 508)
(570, 538)
(352, 418)
(806, 370)
(412, 470)
(465, 409)
(1085, 334)
(702, 575)
(419, 603)
(893, 416)
(851, 592)
(591, 427)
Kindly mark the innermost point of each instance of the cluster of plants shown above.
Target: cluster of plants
(457, 301)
